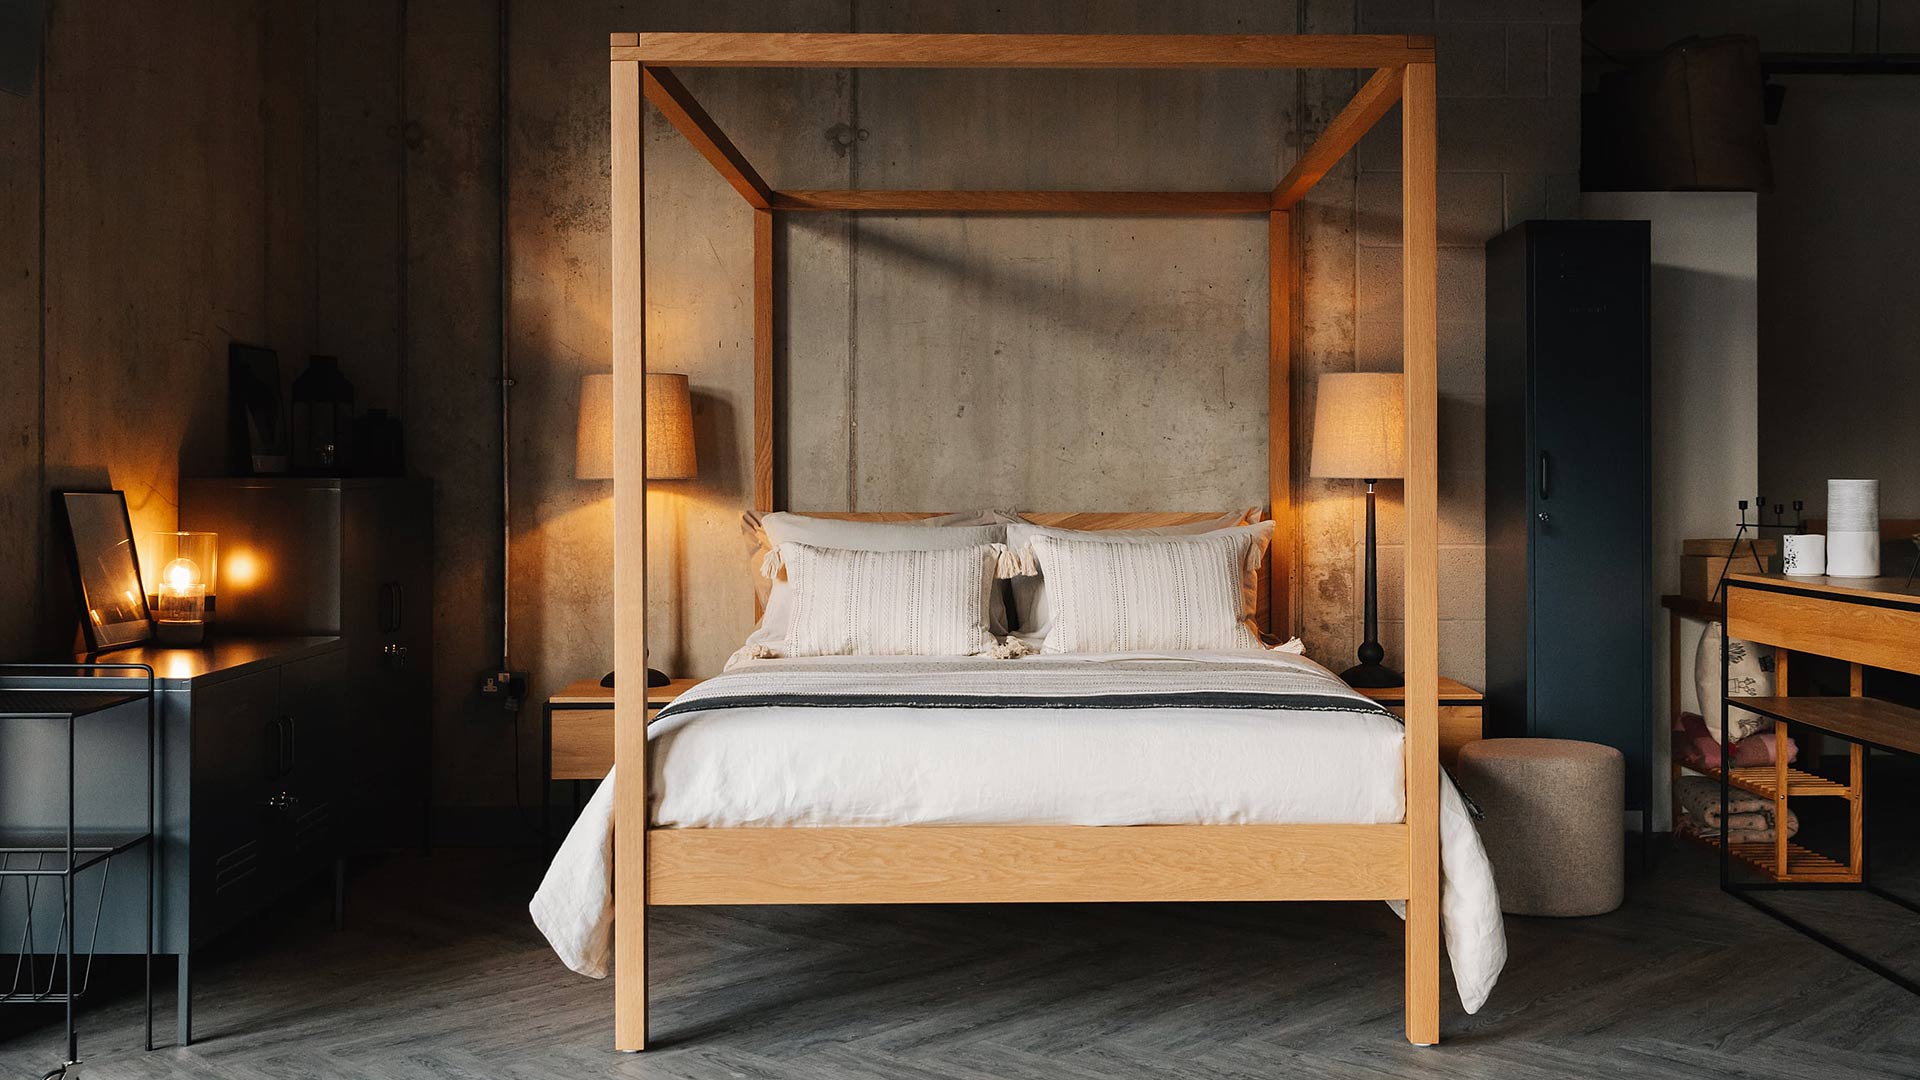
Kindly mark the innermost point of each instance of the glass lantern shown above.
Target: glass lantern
(184, 586)
(322, 419)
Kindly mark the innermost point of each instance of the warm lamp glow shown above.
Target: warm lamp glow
(242, 568)
(670, 453)
(184, 588)
(180, 575)
(1359, 426)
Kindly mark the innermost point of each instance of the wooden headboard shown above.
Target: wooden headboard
(1114, 519)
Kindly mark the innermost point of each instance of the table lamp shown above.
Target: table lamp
(1359, 433)
(669, 441)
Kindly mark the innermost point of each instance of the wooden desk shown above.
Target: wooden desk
(1462, 714)
(1868, 622)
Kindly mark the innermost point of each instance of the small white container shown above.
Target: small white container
(1804, 556)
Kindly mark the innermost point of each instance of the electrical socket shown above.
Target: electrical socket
(509, 686)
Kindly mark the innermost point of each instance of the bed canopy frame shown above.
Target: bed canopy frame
(656, 867)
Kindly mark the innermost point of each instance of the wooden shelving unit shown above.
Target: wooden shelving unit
(1764, 781)
(1858, 719)
(1803, 864)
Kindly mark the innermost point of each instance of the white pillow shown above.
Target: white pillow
(889, 603)
(1749, 674)
(1032, 611)
(768, 531)
(1176, 593)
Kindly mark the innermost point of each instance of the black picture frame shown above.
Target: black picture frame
(109, 594)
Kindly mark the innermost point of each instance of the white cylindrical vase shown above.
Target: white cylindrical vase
(1804, 556)
(1853, 528)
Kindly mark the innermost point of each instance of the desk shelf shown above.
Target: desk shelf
(1856, 719)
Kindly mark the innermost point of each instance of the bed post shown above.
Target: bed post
(762, 364)
(1280, 422)
(1421, 318)
(629, 561)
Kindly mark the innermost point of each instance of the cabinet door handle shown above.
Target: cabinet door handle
(1545, 486)
(276, 748)
(392, 607)
(293, 729)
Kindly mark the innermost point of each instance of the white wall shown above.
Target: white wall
(1706, 452)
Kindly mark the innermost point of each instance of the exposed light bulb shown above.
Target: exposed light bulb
(180, 575)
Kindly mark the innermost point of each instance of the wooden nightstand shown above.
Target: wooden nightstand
(576, 737)
(1460, 713)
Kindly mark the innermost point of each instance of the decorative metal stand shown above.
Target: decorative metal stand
(64, 855)
(1759, 523)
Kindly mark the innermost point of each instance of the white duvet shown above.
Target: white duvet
(780, 765)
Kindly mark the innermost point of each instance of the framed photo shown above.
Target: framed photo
(106, 568)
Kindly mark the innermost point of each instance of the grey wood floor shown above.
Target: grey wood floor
(440, 975)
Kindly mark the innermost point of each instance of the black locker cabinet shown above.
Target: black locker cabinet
(1569, 488)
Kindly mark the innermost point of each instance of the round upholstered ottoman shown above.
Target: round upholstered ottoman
(1552, 823)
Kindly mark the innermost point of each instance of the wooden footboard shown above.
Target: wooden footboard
(1026, 864)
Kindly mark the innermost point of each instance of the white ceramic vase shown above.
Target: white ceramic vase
(1853, 528)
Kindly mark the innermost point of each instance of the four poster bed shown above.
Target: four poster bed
(1395, 856)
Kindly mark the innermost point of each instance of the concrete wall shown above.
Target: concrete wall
(1838, 332)
(1706, 453)
(927, 362)
(1840, 335)
(142, 190)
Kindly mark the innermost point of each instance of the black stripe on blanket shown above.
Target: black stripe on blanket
(1204, 699)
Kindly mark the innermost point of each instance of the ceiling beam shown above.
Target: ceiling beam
(1379, 94)
(1024, 50)
(677, 105)
(1029, 202)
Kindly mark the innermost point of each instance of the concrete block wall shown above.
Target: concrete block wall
(1509, 84)
(929, 362)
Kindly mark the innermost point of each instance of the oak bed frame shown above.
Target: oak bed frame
(1015, 864)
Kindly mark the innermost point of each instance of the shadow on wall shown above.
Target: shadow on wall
(1069, 297)
(569, 548)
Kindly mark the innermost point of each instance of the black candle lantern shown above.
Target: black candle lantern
(322, 418)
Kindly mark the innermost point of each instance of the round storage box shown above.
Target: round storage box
(1553, 822)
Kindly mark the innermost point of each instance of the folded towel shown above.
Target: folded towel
(1700, 796)
(1697, 749)
(1748, 828)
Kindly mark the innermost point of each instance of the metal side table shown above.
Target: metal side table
(33, 854)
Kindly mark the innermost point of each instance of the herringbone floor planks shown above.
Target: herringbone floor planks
(440, 975)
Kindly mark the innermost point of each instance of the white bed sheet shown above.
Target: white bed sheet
(777, 766)
(801, 766)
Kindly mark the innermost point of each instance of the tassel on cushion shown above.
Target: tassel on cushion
(762, 652)
(1009, 563)
(771, 566)
(1010, 648)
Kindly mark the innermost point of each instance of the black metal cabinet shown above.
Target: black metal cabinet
(352, 557)
(1569, 481)
(253, 736)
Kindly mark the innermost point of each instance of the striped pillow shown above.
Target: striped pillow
(890, 603)
(1178, 594)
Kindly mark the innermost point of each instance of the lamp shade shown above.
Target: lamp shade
(1359, 426)
(669, 428)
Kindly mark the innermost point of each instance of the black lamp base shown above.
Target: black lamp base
(1372, 676)
(655, 678)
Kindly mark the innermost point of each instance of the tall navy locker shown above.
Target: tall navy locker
(1569, 505)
